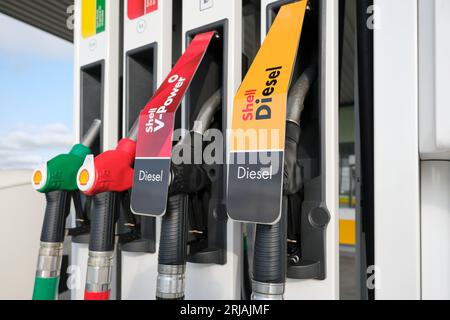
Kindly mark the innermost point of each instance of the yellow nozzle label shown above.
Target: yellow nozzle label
(259, 113)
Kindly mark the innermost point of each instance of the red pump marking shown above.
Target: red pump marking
(113, 169)
(156, 122)
(97, 295)
(138, 8)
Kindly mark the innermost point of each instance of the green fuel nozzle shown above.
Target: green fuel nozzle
(57, 179)
(60, 173)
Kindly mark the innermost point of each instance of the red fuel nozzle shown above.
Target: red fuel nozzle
(110, 171)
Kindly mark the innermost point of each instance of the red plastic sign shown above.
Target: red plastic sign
(156, 122)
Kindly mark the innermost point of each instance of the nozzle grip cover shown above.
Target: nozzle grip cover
(56, 211)
(113, 169)
(103, 219)
(62, 170)
(173, 242)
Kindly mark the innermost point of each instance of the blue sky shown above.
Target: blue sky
(36, 94)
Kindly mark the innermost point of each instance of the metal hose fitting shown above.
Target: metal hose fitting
(49, 260)
(99, 271)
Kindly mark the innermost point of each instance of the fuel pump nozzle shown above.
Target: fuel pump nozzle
(57, 179)
(269, 263)
(185, 180)
(105, 178)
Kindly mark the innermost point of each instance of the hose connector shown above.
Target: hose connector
(49, 260)
(99, 275)
(170, 282)
(267, 291)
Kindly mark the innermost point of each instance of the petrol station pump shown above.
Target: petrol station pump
(150, 43)
(290, 191)
(211, 262)
(96, 95)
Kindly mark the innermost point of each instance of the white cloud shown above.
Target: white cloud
(23, 38)
(20, 161)
(29, 145)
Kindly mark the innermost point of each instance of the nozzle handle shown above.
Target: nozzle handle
(173, 245)
(92, 133)
(103, 218)
(269, 262)
(56, 211)
(173, 249)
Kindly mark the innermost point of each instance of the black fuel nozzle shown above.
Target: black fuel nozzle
(269, 263)
(186, 179)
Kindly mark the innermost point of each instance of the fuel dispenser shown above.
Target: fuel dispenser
(57, 179)
(152, 31)
(96, 95)
(282, 162)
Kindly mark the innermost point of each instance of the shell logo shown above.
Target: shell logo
(37, 177)
(84, 177)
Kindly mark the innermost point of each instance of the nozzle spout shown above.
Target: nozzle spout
(133, 132)
(92, 133)
(298, 93)
(207, 112)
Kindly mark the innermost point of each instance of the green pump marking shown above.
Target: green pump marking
(45, 288)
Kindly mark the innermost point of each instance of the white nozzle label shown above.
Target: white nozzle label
(86, 174)
(39, 177)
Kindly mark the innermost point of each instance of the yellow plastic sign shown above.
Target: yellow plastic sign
(259, 123)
